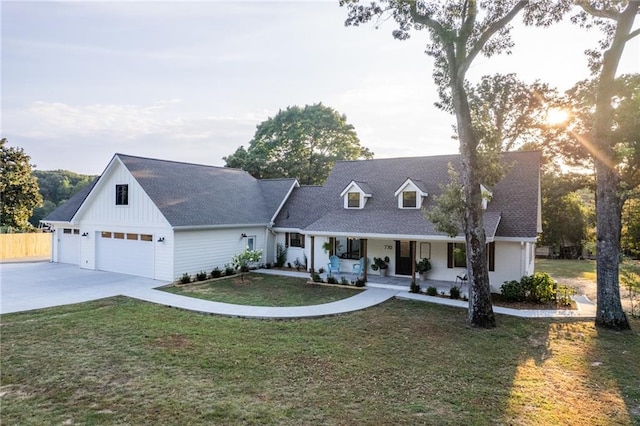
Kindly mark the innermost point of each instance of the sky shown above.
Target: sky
(190, 81)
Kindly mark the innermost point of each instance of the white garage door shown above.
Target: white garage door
(68, 245)
(126, 253)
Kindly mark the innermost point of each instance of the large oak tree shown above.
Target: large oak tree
(615, 19)
(459, 31)
(302, 143)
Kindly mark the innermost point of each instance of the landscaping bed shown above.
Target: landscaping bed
(261, 290)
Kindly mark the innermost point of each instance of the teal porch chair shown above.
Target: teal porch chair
(358, 268)
(334, 265)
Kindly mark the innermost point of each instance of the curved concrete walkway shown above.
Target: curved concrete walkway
(362, 300)
(40, 285)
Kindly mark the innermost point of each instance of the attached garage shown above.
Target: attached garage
(125, 252)
(69, 245)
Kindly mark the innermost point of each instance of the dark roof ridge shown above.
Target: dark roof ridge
(528, 151)
(186, 163)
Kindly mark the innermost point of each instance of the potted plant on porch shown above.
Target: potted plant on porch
(381, 264)
(423, 267)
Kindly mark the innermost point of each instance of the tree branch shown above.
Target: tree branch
(633, 34)
(600, 13)
(493, 28)
(471, 11)
(424, 20)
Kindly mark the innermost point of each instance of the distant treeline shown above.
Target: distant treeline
(56, 187)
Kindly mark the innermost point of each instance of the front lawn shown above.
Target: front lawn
(567, 268)
(120, 361)
(263, 290)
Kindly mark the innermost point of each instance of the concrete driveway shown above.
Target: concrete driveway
(26, 286)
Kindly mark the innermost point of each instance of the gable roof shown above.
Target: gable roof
(66, 211)
(511, 213)
(192, 195)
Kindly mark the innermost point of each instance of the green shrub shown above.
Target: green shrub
(563, 295)
(281, 255)
(315, 277)
(513, 291)
(332, 280)
(454, 292)
(201, 276)
(344, 281)
(415, 287)
(542, 288)
(359, 282)
(536, 288)
(630, 279)
(186, 278)
(229, 270)
(297, 264)
(216, 273)
(432, 291)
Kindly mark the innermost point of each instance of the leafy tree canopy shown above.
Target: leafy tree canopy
(302, 143)
(56, 187)
(19, 188)
(575, 141)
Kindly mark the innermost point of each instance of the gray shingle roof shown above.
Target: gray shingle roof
(512, 212)
(197, 195)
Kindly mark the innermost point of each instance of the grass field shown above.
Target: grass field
(120, 361)
(568, 268)
(263, 290)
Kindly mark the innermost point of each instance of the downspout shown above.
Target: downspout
(523, 258)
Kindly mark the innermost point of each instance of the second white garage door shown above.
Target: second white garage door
(126, 253)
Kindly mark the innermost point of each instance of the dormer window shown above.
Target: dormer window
(353, 200)
(410, 194)
(355, 195)
(409, 199)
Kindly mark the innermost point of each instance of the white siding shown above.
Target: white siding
(140, 216)
(141, 212)
(197, 250)
(509, 264)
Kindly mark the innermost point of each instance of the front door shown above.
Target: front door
(404, 258)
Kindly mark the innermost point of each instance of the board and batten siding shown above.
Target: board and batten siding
(140, 216)
(203, 250)
(102, 209)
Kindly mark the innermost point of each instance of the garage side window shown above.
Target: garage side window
(122, 195)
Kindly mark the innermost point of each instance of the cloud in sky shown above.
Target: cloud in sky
(190, 81)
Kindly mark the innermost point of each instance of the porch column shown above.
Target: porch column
(364, 254)
(413, 261)
(313, 254)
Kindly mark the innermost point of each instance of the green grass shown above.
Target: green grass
(120, 361)
(263, 290)
(567, 268)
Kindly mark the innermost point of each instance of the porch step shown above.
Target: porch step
(398, 287)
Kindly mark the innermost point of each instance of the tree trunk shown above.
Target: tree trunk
(608, 199)
(480, 312)
(608, 211)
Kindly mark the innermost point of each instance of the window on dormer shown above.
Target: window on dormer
(353, 199)
(409, 199)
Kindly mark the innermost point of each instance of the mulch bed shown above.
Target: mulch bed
(499, 300)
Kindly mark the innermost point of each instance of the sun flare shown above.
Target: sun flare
(557, 116)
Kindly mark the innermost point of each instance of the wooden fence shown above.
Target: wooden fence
(13, 246)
